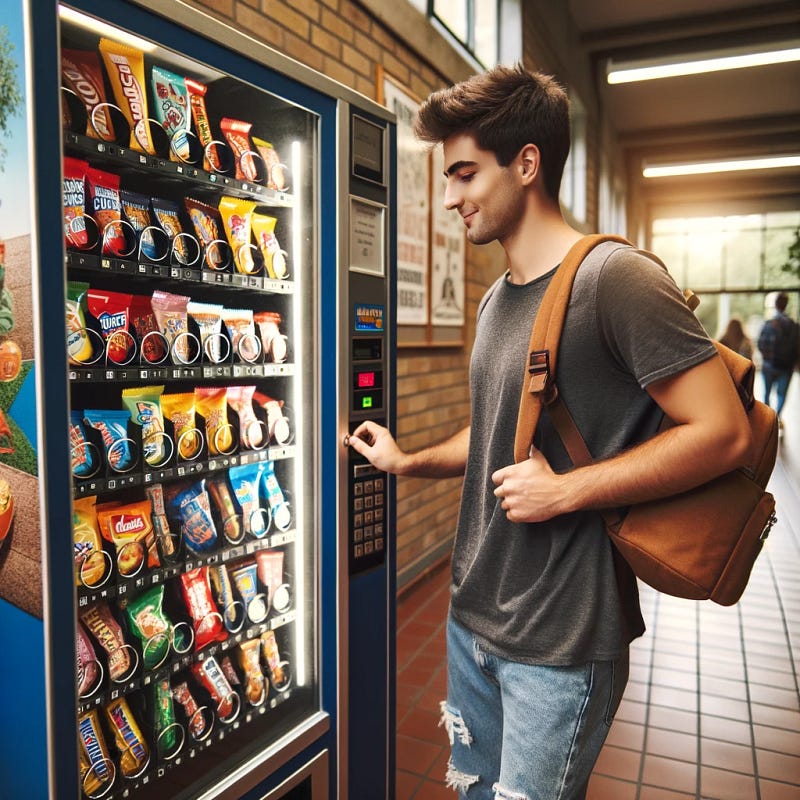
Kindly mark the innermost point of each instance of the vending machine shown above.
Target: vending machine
(196, 308)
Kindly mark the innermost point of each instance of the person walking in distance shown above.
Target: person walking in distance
(542, 612)
(779, 345)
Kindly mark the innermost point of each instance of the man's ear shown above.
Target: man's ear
(529, 160)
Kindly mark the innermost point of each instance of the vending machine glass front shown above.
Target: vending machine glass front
(190, 236)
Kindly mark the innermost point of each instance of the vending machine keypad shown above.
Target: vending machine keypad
(367, 541)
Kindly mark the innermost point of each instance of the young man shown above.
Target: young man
(542, 613)
(779, 345)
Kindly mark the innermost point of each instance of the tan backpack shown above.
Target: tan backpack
(700, 544)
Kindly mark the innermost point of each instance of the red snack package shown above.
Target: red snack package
(208, 624)
(104, 205)
(197, 102)
(82, 73)
(75, 202)
(238, 135)
(210, 675)
(153, 344)
(112, 311)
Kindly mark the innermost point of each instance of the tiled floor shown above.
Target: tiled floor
(712, 709)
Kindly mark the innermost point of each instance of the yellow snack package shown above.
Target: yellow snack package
(236, 219)
(264, 231)
(212, 403)
(125, 69)
(179, 408)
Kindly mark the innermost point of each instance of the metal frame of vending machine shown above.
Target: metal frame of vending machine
(331, 736)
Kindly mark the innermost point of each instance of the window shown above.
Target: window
(573, 183)
(474, 23)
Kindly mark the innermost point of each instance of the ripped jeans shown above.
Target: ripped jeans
(522, 732)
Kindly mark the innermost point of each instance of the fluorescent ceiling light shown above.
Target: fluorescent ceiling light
(706, 167)
(104, 29)
(717, 61)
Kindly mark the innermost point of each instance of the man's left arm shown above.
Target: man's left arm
(710, 437)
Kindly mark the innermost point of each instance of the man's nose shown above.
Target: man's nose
(452, 197)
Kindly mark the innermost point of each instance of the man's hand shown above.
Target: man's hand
(378, 446)
(530, 491)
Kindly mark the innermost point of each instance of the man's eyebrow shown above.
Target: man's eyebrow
(456, 166)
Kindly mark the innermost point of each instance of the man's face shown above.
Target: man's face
(488, 197)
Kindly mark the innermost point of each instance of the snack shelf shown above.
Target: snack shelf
(193, 469)
(181, 663)
(131, 374)
(105, 265)
(88, 595)
(162, 168)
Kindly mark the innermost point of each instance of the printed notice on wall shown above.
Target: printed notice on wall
(448, 254)
(413, 206)
(366, 237)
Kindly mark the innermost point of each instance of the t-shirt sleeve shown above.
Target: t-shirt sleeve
(645, 322)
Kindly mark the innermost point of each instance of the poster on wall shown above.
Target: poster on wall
(448, 254)
(413, 208)
(20, 545)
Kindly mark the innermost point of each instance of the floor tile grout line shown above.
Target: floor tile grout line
(754, 756)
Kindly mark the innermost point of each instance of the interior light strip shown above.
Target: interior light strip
(104, 29)
(617, 73)
(707, 167)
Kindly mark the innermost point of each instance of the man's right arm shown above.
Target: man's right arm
(447, 459)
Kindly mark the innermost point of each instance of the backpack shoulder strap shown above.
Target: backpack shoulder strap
(545, 337)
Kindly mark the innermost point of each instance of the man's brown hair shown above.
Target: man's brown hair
(504, 108)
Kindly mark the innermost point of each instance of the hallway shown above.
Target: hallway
(712, 708)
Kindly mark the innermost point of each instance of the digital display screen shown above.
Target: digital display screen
(366, 380)
(366, 402)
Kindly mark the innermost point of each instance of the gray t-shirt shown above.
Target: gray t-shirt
(548, 593)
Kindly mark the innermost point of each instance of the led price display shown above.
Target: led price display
(366, 380)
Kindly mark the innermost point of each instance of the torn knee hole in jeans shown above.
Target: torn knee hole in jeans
(504, 794)
(454, 725)
(458, 780)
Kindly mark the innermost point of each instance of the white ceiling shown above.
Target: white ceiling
(753, 111)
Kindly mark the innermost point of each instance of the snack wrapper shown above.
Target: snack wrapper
(87, 667)
(125, 70)
(84, 460)
(131, 744)
(136, 212)
(171, 108)
(207, 621)
(208, 227)
(237, 217)
(264, 232)
(276, 176)
(96, 767)
(171, 316)
(250, 662)
(251, 431)
(129, 527)
(210, 675)
(245, 578)
(237, 133)
(75, 233)
(242, 333)
(79, 346)
(190, 505)
(167, 215)
(246, 481)
(226, 506)
(179, 408)
(198, 724)
(197, 103)
(278, 676)
(212, 404)
(91, 565)
(166, 543)
(149, 623)
(100, 622)
(279, 508)
(105, 207)
(82, 74)
(113, 311)
(113, 428)
(164, 722)
(208, 317)
(144, 405)
(152, 343)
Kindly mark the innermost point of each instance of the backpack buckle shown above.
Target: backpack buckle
(539, 370)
